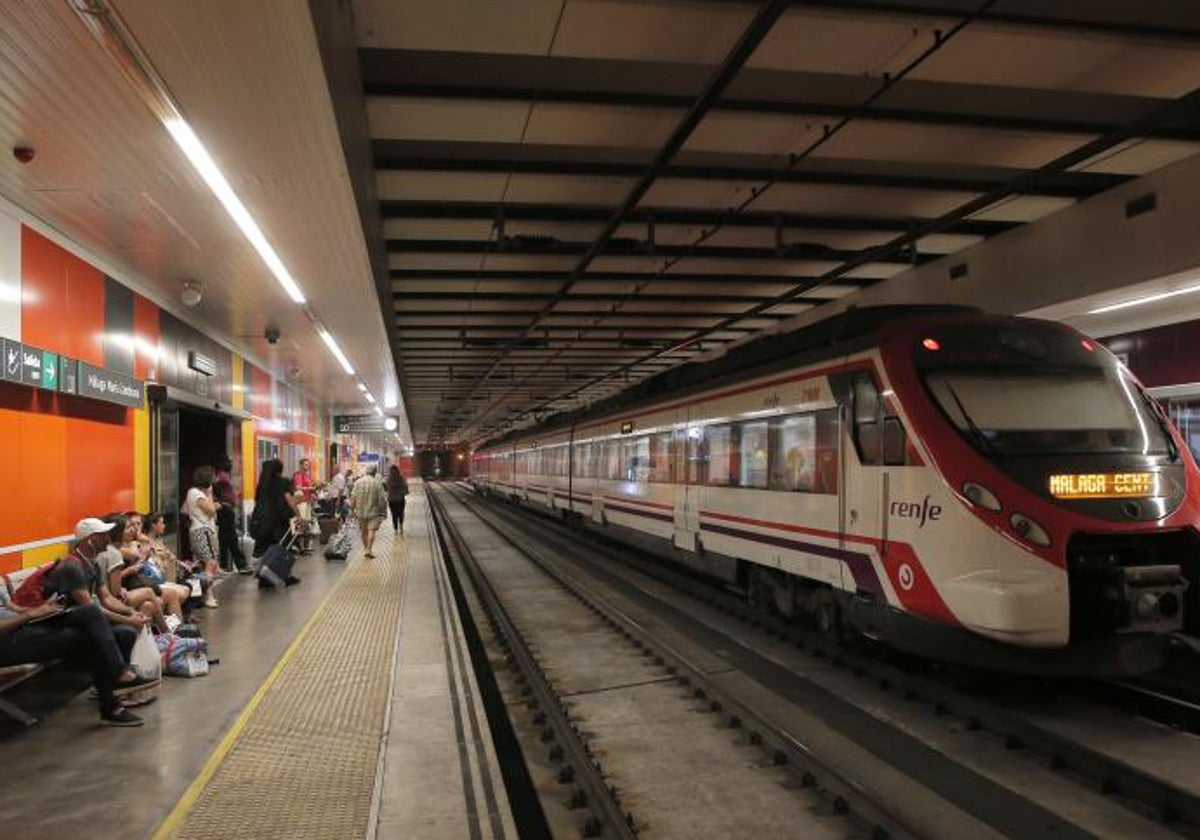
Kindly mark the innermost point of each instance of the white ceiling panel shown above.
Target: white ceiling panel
(470, 229)
(650, 30)
(881, 140)
(768, 134)
(1140, 156)
(1008, 55)
(1023, 208)
(687, 192)
(435, 262)
(504, 26)
(521, 262)
(400, 118)
(854, 45)
(600, 125)
(826, 198)
(446, 186)
(576, 189)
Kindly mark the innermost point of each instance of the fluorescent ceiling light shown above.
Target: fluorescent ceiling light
(1112, 307)
(335, 350)
(379, 411)
(370, 399)
(362, 387)
(212, 175)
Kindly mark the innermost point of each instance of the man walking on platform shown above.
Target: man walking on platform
(368, 501)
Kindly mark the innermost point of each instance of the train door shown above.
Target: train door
(688, 467)
(864, 484)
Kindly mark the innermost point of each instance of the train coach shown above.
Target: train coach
(975, 488)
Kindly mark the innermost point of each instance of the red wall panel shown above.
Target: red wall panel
(63, 300)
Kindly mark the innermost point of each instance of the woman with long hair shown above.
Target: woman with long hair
(201, 509)
(274, 507)
(397, 490)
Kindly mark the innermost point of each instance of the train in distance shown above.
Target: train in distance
(982, 489)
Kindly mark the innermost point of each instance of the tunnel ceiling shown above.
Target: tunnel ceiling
(575, 195)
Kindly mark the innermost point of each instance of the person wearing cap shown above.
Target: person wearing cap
(80, 580)
(77, 627)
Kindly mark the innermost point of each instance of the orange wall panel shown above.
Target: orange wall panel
(43, 475)
(10, 562)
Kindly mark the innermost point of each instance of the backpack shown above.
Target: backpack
(32, 591)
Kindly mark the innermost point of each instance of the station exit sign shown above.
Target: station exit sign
(358, 424)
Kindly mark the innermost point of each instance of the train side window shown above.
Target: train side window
(660, 457)
(697, 455)
(722, 456)
(754, 449)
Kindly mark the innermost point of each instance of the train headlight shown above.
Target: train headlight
(1029, 530)
(979, 495)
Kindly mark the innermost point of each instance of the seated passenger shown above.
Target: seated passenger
(142, 573)
(79, 632)
(112, 564)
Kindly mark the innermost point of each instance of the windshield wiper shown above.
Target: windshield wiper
(976, 433)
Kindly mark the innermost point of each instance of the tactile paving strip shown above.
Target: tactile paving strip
(304, 765)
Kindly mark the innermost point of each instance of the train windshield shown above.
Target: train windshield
(1075, 411)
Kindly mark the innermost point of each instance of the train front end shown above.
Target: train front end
(1089, 498)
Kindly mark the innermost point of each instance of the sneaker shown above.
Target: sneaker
(135, 684)
(291, 580)
(120, 716)
(139, 698)
(210, 602)
(245, 570)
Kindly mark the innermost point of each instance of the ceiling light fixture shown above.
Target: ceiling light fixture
(1113, 307)
(199, 157)
(335, 350)
(379, 411)
(362, 387)
(370, 399)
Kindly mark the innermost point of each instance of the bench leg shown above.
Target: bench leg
(16, 712)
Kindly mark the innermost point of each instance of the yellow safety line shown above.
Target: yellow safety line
(183, 807)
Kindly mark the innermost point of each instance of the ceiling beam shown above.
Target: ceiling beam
(491, 211)
(727, 280)
(615, 247)
(547, 159)
(687, 297)
(672, 86)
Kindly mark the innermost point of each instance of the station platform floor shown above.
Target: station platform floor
(343, 707)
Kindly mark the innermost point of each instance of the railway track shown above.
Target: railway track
(763, 778)
(1151, 805)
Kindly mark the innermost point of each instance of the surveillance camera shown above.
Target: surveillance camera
(271, 334)
(192, 293)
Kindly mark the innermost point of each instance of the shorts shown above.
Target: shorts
(204, 543)
(370, 523)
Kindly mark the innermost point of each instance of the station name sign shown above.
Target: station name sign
(37, 368)
(355, 424)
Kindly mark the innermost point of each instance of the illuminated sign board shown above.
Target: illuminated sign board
(1131, 485)
(627, 427)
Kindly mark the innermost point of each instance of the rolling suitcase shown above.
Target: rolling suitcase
(328, 526)
(275, 566)
(339, 544)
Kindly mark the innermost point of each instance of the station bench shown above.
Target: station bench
(13, 675)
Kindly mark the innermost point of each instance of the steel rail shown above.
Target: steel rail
(846, 795)
(1114, 778)
(608, 815)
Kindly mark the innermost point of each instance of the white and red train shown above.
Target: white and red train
(982, 489)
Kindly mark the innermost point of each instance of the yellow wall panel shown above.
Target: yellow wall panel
(239, 394)
(31, 557)
(141, 460)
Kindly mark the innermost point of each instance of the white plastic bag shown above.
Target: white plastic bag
(145, 658)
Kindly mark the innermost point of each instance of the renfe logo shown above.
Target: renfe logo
(921, 511)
